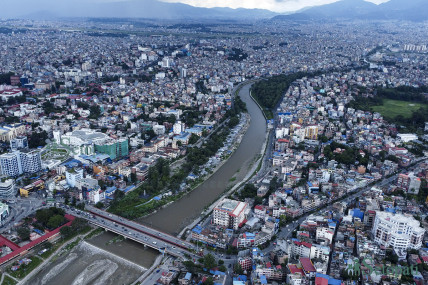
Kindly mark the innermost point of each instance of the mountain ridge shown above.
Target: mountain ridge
(413, 10)
(151, 9)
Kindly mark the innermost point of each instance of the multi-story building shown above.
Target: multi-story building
(74, 176)
(10, 164)
(211, 236)
(409, 182)
(19, 162)
(9, 132)
(271, 272)
(369, 217)
(80, 141)
(245, 262)
(167, 277)
(4, 212)
(320, 252)
(178, 128)
(31, 161)
(398, 231)
(7, 188)
(113, 148)
(302, 249)
(324, 234)
(18, 143)
(311, 132)
(230, 213)
(307, 266)
(246, 240)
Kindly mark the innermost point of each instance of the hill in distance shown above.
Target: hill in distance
(150, 9)
(413, 10)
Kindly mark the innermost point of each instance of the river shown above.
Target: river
(176, 216)
(125, 260)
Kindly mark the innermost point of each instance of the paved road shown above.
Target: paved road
(287, 230)
(21, 208)
(137, 232)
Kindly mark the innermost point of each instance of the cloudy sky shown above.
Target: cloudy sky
(273, 5)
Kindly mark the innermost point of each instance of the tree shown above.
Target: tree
(99, 205)
(23, 233)
(42, 216)
(233, 122)
(133, 177)
(391, 256)
(37, 139)
(209, 281)
(80, 206)
(66, 232)
(209, 261)
(237, 268)
(193, 139)
(95, 112)
(190, 266)
(48, 245)
(249, 191)
(55, 221)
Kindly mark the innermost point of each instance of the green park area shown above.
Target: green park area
(393, 108)
(54, 151)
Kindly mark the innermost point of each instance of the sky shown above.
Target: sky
(273, 5)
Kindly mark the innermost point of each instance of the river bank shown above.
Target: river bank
(181, 213)
(94, 262)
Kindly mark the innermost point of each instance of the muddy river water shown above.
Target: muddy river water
(107, 259)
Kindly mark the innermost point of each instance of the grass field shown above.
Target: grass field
(25, 269)
(393, 108)
(8, 281)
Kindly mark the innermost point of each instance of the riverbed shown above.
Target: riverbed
(176, 216)
(114, 261)
(97, 262)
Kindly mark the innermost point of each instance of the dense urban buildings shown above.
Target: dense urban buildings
(398, 231)
(129, 116)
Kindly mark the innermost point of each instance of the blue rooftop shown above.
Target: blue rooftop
(331, 280)
(188, 276)
(197, 229)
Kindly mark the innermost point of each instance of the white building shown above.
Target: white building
(178, 128)
(407, 137)
(9, 132)
(398, 231)
(230, 213)
(18, 143)
(7, 188)
(73, 176)
(159, 129)
(301, 248)
(19, 162)
(320, 252)
(4, 212)
(324, 234)
(81, 141)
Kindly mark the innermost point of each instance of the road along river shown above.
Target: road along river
(111, 260)
(179, 214)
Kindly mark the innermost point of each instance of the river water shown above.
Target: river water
(129, 259)
(176, 216)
